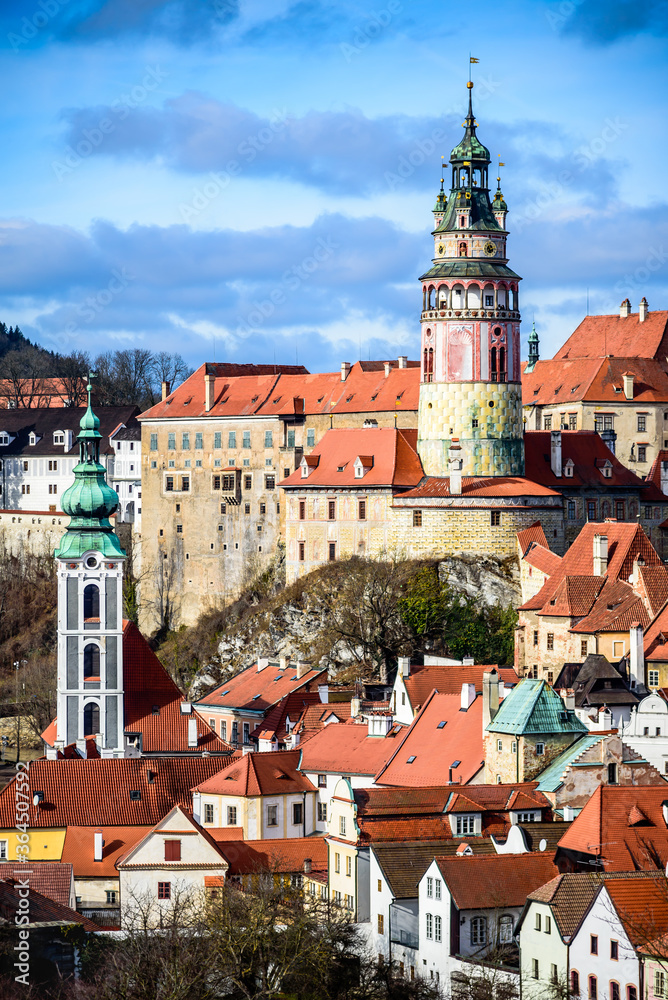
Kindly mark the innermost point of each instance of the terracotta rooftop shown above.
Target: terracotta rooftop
(589, 454)
(390, 457)
(287, 855)
(492, 882)
(449, 680)
(79, 845)
(497, 486)
(654, 474)
(615, 609)
(563, 381)
(428, 749)
(569, 896)
(533, 535)
(259, 774)
(497, 798)
(542, 559)
(259, 690)
(621, 337)
(404, 863)
(290, 709)
(653, 585)
(53, 879)
(42, 909)
(347, 748)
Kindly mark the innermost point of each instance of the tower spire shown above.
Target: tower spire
(534, 349)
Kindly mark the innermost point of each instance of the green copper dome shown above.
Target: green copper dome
(470, 148)
(89, 501)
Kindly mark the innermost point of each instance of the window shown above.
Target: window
(235, 732)
(228, 483)
(499, 745)
(465, 825)
(164, 890)
(337, 863)
(513, 747)
(270, 482)
(337, 897)
(642, 456)
(535, 637)
(246, 439)
(342, 825)
(322, 781)
(583, 647)
(179, 529)
(290, 438)
(437, 888)
(310, 437)
(185, 441)
(223, 731)
(506, 930)
(612, 774)
(231, 815)
(653, 678)
(246, 733)
(571, 512)
(430, 887)
(111, 897)
(631, 993)
(417, 518)
(659, 983)
(538, 921)
(572, 421)
(302, 510)
(437, 928)
(642, 422)
(575, 983)
(269, 439)
(3, 850)
(248, 482)
(297, 814)
(593, 988)
(495, 518)
(332, 551)
(25, 489)
(548, 924)
(53, 466)
(232, 439)
(171, 441)
(550, 640)
(208, 812)
(593, 944)
(217, 439)
(331, 510)
(535, 970)
(479, 930)
(591, 510)
(272, 815)
(349, 866)
(554, 975)
(172, 850)
(302, 551)
(361, 510)
(322, 812)
(540, 749)
(246, 508)
(381, 923)
(614, 950)
(430, 926)
(91, 601)
(547, 422)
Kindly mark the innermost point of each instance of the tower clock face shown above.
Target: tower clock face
(489, 249)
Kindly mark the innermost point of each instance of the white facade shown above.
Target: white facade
(34, 481)
(261, 817)
(125, 474)
(603, 924)
(543, 953)
(395, 935)
(647, 732)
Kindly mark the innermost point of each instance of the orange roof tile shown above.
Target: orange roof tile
(42, 909)
(449, 680)
(480, 883)
(534, 534)
(394, 462)
(54, 879)
(426, 752)
(621, 337)
(287, 855)
(653, 585)
(259, 774)
(615, 609)
(259, 690)
(292, 708)
(497, 798)
(561, 381)
(497, 486)
(588, 452)
(642, 905)
(78, 848)
(574, 596)
(347, 748)
(542, 559)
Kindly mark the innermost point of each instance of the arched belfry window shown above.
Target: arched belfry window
(91, 598)
(493, 369)
(502, 364)
(91, 719)
(91, 661)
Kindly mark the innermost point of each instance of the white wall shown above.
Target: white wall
(325, 794)
(650, 714)
(603, 922)
(548, 949)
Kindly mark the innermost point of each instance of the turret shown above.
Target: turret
(534, 346)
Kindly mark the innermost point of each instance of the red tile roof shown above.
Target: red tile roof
(288, 855)
(653, 585)
(626, 542)
(606, 829)
(394, 462)
(42, 909)
(97, 792)
(292, 707)
(480, 883)
(642, 905)
(498, 486)
(542, 559)
(79, 845)
(53, 879)
(534, 534)
(434, 750)
(574, 596)
(588, 452)
(347, 748)
(615, 609)
(654, 474)
(259, 774)
(594, 380)
(497, 798)
(621, 337)
(449, 680)
(259, 690)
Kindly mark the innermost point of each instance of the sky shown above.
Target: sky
(253, 180)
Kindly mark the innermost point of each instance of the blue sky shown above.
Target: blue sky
(252, 180)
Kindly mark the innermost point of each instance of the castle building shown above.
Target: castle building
(471, 378)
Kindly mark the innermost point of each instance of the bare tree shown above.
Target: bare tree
(72, 372)
(23, 373)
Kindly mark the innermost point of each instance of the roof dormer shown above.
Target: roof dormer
(568, 468)
(33, 439)
(308, 464)
(363, 464)
(606, 469)
(5, 439)
(59, 437)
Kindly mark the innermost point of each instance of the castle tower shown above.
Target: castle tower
(470, 386)
(534, 349)
(90, 605)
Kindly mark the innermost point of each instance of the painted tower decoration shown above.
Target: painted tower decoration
(470, 386)
(90, 602)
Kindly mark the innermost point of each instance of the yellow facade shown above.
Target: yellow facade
(43, 844)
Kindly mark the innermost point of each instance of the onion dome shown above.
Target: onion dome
(470, 148)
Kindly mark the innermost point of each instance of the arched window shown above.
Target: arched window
(506, 930)
(479, 930)
(502, 364)
(463, 252)
(430, 363)
(91, 660)
(91, 719)
(575, 983)
(91, 601)
(593, 988)
(493, 371)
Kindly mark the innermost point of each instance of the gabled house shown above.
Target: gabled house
(647, 731)
(93, 852)
(301, 860)
(596, 686)
(262, 795)
(530, 727)
(414, 683)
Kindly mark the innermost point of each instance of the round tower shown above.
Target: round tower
(90, 605)
(470, 381)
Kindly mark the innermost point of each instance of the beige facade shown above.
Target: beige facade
(343, 854)
(509, 757)
(30, 532)
(261, 817)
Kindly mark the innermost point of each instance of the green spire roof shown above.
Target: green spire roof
(534, 707)
(470, 148)
(90, 500)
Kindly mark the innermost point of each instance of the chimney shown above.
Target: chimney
(569, 814)
(555, 453)
(490, 698)
(209, 384)
(303, 667)
(403, 361)
(345, 370)
(308, 865)
(600, 555)
(638, 564)
(404, 666)
(468, 696)
(664, 477)
(354, 707)
(468, 661)
(98, 844)
(323, 693)
(568, 698)
(636, 656)
(192, 733)
(628, 384)
(69, 440)
(164, 389)
(388, 367)
(263, 661)
(455, 457)
(643, 310)
(625, 309)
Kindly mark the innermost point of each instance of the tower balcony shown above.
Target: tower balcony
(491, 314)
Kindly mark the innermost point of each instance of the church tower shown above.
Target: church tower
(90, 605)
(470, 380)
